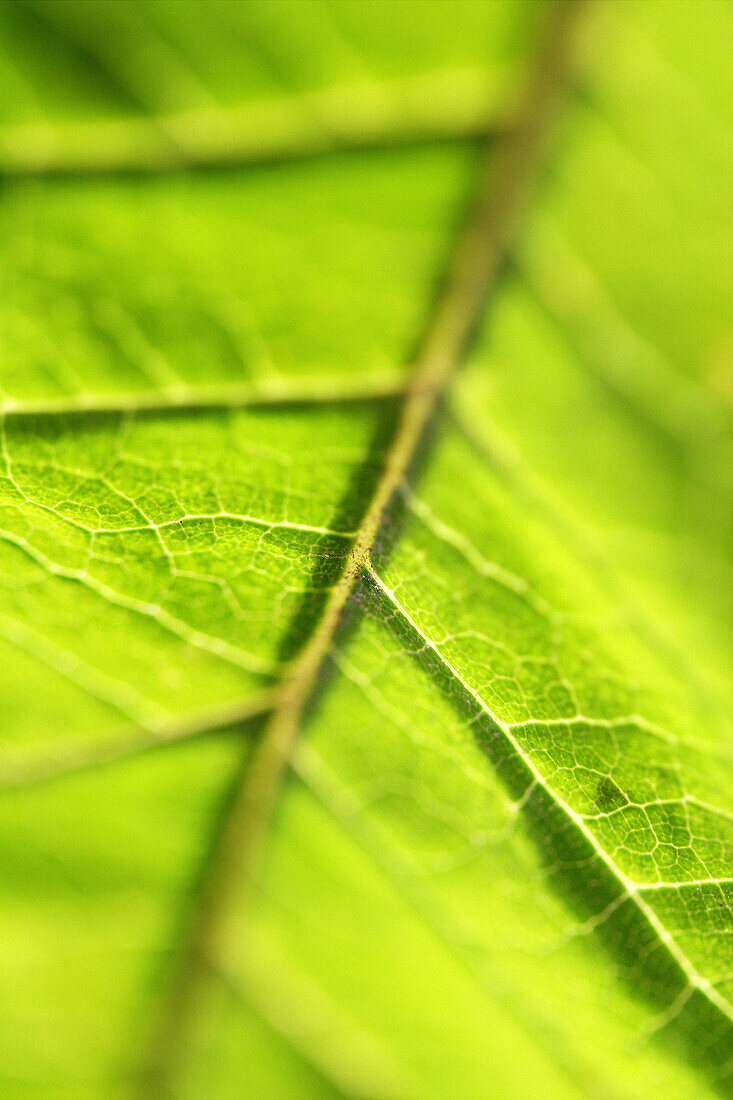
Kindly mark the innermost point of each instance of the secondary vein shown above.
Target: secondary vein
(432, 106)
(29, 770)
(629, 888)
(504, 184)
(255, 392)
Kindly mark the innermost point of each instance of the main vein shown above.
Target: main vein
(504, 184)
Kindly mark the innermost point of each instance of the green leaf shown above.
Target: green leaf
(366, 549)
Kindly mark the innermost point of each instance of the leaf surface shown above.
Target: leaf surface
(366, 691)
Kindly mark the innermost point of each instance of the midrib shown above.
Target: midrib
(504, 186)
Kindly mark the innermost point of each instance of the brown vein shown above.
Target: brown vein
(504, 184)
